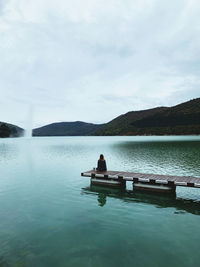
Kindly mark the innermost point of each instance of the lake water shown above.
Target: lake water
(51, 216)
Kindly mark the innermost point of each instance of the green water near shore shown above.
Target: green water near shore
(51, 216)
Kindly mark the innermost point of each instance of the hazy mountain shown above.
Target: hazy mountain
(10, 130)
(67, 128)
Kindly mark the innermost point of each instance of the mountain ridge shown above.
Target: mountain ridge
(76, 128)
(181, 119)
(121, 124)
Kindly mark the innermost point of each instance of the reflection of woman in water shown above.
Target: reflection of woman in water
(102, 199)
(101, 164)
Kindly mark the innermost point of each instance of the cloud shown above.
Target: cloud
(93, 60)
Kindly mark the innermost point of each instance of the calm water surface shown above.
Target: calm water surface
(51, 216)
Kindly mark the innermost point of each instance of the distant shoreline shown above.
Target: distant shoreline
(182, 119)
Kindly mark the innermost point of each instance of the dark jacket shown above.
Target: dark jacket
(101, 165)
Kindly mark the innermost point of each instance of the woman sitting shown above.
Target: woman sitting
(101, 164)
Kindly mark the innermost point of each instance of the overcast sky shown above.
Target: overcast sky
(93, 60)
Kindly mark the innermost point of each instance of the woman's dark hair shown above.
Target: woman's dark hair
(101, 157)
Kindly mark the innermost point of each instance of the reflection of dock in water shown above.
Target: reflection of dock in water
(159, 200)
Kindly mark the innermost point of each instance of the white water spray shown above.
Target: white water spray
(29, 123)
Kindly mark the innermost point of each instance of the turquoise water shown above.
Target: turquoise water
(51, 216)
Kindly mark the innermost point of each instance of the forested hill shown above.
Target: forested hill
(122, 125)
(76, 128)
(10, 130)
(181, 119)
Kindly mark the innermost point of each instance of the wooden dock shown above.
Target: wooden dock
(142, 180)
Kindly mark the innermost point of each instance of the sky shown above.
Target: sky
(94, 60)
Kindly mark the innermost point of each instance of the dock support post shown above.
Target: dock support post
(172, 185)
(122, 181)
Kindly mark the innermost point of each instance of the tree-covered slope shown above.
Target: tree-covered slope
(10, 130)
(122, 125)
(180, 119)
(67, 129)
